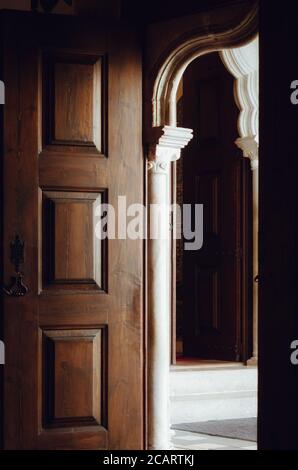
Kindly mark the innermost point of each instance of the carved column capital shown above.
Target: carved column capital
(168, 148)
(250, 149)
(155, 166)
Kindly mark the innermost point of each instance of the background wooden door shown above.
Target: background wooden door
(73, 377)
(215, 278)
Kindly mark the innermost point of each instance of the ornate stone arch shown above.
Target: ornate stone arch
(163, 151)
(199, 42)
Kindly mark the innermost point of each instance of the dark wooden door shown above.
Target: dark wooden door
(71, 140)
(216, 300)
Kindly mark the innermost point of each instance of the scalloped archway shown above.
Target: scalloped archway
(237, 45)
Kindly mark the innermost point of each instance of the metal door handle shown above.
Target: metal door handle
(18, 288)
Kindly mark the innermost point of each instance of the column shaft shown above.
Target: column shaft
(158, 318)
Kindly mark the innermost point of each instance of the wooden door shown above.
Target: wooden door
(216, 292)
(73, 377)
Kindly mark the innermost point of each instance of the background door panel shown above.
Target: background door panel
(214, 175)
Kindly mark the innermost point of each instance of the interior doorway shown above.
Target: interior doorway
(214, 319)
(215, 336)
(166, 139)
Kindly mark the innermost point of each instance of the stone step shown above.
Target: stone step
(203, 395)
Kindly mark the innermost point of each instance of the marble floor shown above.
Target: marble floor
(194, 441)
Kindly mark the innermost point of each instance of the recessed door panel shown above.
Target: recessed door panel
(72, 376)
(72, 253)
(74, 103)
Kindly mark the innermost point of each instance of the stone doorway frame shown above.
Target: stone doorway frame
(233, 46)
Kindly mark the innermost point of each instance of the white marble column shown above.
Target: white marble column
(249, 147)
(166, 150)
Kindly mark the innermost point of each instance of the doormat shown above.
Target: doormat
(244, 428)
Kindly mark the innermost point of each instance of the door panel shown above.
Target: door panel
(74, 367)
(215, 314)
(72, 362)
(74, 99)
(72, 255)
